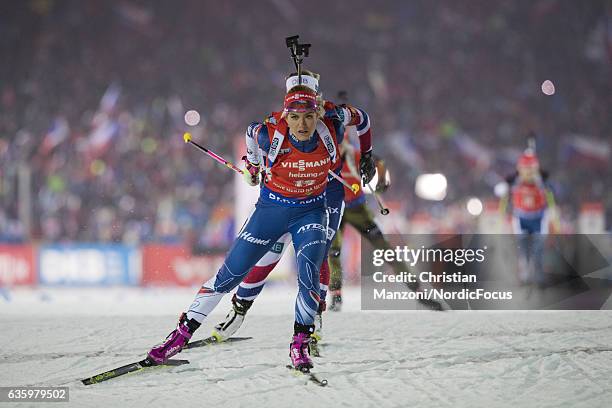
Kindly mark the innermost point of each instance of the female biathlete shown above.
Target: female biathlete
(343, 116)
(301, 146)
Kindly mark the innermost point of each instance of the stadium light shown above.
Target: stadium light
(500, 189)
(474, 206)
(431, 186)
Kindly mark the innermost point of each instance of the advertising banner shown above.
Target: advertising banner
(173, 265)
(17, 265)
(89, 264)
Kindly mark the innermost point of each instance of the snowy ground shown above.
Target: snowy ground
(378, 359)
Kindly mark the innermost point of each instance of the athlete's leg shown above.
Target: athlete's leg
(266, 224)
(335, 212)
(249, 289)
(309, 235)
(253, 283)
(519, 227)
(335, 264)
(537, 248)
(362, 220)
(256, 238)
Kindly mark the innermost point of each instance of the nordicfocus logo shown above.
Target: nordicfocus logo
(249, 238)
(312, 226)
(302, 165)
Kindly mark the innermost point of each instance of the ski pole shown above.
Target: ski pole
(383, 209)
(215, 156)
(354, 188)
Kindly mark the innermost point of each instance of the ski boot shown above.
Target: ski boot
(225, 329)
(175, 341)
(316, 336)
(336, 303)
(298, 348)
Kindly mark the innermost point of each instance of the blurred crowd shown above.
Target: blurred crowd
(92, 98)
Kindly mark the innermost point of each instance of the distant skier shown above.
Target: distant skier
(532, 201)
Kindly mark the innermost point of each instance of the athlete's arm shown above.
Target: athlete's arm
(256, 138)
(352, 116)
(254, 143)
(359, 118)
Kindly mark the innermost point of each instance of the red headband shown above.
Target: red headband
(300, 101)
(528, 160)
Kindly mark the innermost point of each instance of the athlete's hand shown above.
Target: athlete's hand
(251, 175)
(367, 168)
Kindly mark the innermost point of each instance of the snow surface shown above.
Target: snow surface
(55, 337)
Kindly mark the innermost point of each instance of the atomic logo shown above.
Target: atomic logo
(312, 226)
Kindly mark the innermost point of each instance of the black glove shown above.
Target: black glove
(367, 168)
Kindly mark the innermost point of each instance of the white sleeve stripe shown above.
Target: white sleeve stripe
(249, 297)
(347, 116)
(361, 115)
(252, 285)
(364, 130)
(253, 153)
(364, 125)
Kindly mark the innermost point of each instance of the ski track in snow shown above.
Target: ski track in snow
(371, 359)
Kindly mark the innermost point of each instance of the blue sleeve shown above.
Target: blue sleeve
(339, 128)
(257, 138)
(263, 139)
(337, 116)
